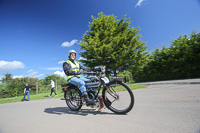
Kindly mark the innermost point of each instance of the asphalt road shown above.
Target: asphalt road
(159, 108)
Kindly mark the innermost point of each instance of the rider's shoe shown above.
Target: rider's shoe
(89, 101)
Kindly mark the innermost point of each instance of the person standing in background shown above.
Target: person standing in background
(52, 87)
(26, 92)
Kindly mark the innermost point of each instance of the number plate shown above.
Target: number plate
(106, 80)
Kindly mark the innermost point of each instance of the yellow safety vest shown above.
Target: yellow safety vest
(74, 67)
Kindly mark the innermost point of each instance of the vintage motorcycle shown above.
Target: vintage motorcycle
(115, 95)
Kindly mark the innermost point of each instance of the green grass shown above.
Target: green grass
(60, 94)
(133, 87)
(32, 97)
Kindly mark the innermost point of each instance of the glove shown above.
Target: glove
(77, 72)
(81, 70)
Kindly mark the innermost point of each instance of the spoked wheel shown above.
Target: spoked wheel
(118, 97)
(73, 99)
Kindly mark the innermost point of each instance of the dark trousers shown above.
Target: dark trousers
(53, 90)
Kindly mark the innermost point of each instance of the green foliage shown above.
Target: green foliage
(15, 87)
(126, 75)
(112, 43)
(56, 78)
(181, 60)
(32, 97)
(7, 77)
(45, 95)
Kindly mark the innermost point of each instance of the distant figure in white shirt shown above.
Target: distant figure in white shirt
(52, 88)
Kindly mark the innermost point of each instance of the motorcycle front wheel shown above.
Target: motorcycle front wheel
(73, 99)
(118, 97)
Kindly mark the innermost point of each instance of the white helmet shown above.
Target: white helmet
(71, 51)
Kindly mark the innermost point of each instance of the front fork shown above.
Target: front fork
(112, 92)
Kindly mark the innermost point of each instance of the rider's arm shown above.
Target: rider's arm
(67, 69)
(83, 68)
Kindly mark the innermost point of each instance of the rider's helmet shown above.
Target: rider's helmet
(71, 51)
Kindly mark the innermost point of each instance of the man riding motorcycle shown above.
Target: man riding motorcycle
(72, 70)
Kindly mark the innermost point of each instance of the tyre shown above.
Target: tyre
(73, 99)
(118, 97)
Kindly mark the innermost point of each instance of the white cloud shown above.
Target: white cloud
(139, 3)
(14, 77)
(61, 62)
(62, 74)
(17, 76)
(6, 66)
(38, 76)
(1, 79)
(81, 58)
(54, 68)
(32, 73)
(68, 44)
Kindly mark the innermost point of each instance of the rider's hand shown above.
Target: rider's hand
(81, 70)
(77, 72)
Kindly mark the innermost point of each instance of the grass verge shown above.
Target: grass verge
(32, 97)
(60, 94)
(133, 87)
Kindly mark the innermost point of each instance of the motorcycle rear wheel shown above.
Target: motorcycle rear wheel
(73, 99)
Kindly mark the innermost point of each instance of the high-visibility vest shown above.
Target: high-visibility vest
(75, 67)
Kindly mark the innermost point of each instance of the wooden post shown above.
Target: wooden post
(36, 87)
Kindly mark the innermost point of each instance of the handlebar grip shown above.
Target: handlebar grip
(88, 72)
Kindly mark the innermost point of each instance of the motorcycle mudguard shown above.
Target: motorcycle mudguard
(101, 103)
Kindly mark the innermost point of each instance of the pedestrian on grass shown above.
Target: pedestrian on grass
(52, 87)
(26, 92)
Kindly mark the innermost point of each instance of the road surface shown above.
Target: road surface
(159, 108)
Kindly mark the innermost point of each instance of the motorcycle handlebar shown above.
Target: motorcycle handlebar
(85, 72)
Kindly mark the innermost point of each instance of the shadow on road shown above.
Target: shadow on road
(83, 112)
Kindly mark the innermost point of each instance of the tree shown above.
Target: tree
(181, 60)
(15, 87)
(112, 43)
(7, 77)
(60, 80)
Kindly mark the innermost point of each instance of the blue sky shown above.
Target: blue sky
(36, 35)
